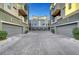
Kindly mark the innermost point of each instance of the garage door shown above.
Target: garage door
(66, 29)
(12, 30)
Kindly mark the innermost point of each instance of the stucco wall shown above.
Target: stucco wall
(8, 18)
(74, 7)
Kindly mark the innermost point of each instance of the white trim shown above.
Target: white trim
(58, 17)
(68, 23)
(10, 23)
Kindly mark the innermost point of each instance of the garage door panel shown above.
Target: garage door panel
(12, 29)
(66, 30)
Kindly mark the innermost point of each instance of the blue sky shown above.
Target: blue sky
(39, 9)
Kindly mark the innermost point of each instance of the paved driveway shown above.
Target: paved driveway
(43, 43)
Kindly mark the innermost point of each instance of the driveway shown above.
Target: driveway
(43, 43)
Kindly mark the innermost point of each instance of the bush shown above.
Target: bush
(3, 35)
(26, 31)
(53, 30)
(76, 33)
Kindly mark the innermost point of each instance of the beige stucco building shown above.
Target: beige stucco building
(39, 22)
(13, 18)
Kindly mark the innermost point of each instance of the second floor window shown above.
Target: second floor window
(9, 6)
(70, 5)
(43, 24)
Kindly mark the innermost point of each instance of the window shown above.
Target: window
(14, 7)
(64, 8)
(43, 23)
(9, 5)
(70, 5)
(53, 19)
(54, 7)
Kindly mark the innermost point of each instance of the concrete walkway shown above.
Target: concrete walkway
(43, 43)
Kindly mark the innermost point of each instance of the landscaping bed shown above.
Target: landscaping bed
(3, 35)
(76, 33)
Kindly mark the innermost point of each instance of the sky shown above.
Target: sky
(39, 9)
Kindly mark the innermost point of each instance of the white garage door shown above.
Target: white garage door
(12, 30)
(66, 29)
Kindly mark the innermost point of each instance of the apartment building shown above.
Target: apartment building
(34, 23)
(13, 18)
(68, 18)
(43, 22)
(39, 23)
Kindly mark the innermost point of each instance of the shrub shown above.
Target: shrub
(3, 35)
(26, 31)
(53, 30)
(76, 33)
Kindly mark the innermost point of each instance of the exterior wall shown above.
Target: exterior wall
(62, 7)
(39, 22)
(74, 7)
(7, 18)
(65, 11)
(72, 18)
(11, 16)
(11, 8)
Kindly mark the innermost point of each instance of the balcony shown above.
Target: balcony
(23, 12)
(56, 12)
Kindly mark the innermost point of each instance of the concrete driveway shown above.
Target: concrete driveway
(43, 43)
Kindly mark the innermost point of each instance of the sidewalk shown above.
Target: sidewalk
(4, 44)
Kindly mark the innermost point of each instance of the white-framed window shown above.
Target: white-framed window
(9, 5)
(70, 5)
